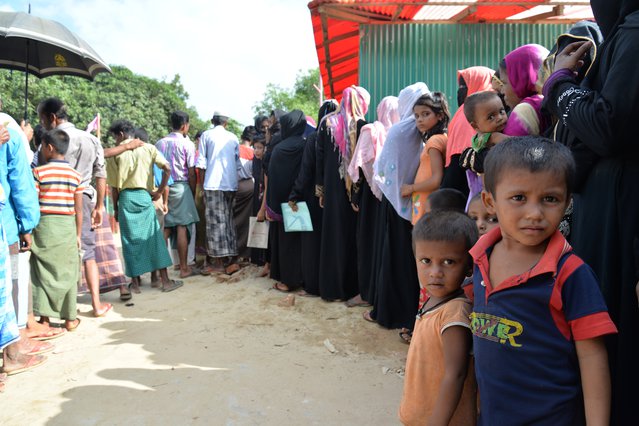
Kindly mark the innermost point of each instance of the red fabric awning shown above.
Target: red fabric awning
(336, 25)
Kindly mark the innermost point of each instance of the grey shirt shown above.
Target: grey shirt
(85, 155)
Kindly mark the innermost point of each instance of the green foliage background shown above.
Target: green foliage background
(144, 101)
(302, 96)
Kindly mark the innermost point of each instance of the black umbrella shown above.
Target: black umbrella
(43, 48)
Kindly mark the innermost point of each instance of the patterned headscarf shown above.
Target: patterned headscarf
(342, 125)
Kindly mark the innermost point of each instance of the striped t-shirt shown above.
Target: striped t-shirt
(57, 182)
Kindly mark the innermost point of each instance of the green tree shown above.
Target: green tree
(302, 96)
(122, 95)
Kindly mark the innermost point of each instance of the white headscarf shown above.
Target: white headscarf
(399, 160)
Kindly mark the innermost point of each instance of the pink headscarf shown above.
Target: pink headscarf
(371, 140)
(522, 66)
(460, 132)
(342, 124)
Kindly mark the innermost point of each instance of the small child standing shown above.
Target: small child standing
(431, 118)
(539, 316)
(55, 261)
(258, 256)
(439, 386)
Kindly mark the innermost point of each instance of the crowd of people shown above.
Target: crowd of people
(465, 232)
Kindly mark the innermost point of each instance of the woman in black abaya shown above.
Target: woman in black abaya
(598, 122)
(336, 142)
(283, 169)
(304, 190)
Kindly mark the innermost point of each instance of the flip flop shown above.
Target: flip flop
(194, 271)
(74, 327)
(175, 285)
(304, 293)
(127, 296)
(106, 310)
(367, 316)
(406, 335)
(281, 287)
(231, 269)
(51, 333)
(33, 362)
(350, 303)
(41, 348)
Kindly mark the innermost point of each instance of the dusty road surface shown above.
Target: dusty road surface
(214, 353)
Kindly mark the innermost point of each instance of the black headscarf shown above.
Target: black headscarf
(609, 14)
(285, 160)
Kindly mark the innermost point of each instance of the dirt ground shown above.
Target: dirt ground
(214, 353)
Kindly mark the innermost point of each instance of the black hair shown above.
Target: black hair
(446, 225)
(122, 126)
(502, 65)
(219, 120)
(179, 119)
(141, 133)
(470, 106)
(248, 133)
(447, 199)
(53, 106)
(58, 139)
(198, 134)
(259, 120)
(38, 133)
(437, 102)
(531, 153)
(258, 138)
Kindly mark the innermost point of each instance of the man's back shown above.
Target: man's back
(133, 169)
(85, 154)
(219, 155)
(180, 153)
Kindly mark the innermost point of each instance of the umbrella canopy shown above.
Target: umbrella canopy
(44, 48)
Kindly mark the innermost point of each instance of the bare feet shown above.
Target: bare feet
(134, 287)
(171, 285)
(281, 287)
(287, 302)
(356, 301)
(188, 272)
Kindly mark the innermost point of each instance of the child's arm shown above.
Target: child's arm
(434, 181)
(595, 380)
(497, 137)
(77, 204)
(456, 341)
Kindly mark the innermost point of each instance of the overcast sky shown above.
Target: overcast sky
(226, 52)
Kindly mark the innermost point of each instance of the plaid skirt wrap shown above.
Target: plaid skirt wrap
(143, 246)
(221, 238)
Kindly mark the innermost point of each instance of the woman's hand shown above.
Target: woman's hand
(293, 205)
(572, 56)
(261, 215)
(407, 190)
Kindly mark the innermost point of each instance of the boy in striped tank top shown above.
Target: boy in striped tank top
(55, 258)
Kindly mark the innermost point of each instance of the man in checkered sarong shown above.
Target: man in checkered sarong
(220, 160)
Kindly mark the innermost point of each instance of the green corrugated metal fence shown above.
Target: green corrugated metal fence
(395, 56)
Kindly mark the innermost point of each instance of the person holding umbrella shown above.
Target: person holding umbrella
(86, 156)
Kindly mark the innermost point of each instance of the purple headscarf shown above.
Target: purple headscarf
(522, 66)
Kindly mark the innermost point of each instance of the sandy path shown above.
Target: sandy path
(214, 353)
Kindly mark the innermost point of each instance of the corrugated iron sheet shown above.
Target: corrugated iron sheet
(395, 56)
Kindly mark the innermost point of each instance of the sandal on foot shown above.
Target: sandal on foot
(353, 303)
(73, 327)
(51, 333)
(175, 284)
(127, 296)
(33, 362)
(367, 316)
(281, 287)
(231, 269)
(406, 335)
(41, 348)
(194, 272)
(106, 310)
(133, 289)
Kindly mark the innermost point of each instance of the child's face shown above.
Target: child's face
(425, 118)
(510, 97)
(258, 150)
(484, 220)
(529, 205)
(441, 266)
(490, 116)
